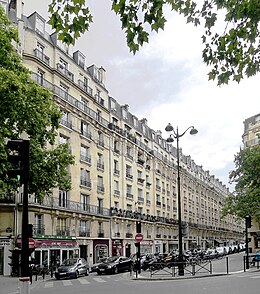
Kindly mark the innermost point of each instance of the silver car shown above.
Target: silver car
(72, 268)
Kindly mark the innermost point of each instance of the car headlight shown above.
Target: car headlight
(110, 266)
(71, 269)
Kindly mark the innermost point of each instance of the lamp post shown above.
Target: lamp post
(176, 135)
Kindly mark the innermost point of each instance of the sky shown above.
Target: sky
(166, 81)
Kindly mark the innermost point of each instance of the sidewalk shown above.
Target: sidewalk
(11, 285)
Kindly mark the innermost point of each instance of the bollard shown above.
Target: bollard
(227, 265)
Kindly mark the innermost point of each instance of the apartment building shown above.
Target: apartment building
(124, 171)
(251, 137)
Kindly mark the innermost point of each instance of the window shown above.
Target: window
(129, 171)
(116, 146)
(124, 113)
(100, 184)
(40, 25)
(63, 63)
(84, 228)
(101, 139)
(63, 139)
(39, 224)
(65, 119)
(116, 185)
(116, 167)
(85, 178)
(84, 154)
(85, 130)
(81, 60)
(63, 198)
(100, 161)
(99, 115)
(40, 77)
(129, 207)
(84, 200)
(84, 101)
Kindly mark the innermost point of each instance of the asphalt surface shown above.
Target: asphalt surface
(232, 264)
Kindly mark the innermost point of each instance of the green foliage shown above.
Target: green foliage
(231, 52)
(246, 198)
(27, 108)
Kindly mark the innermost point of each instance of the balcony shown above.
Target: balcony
(100, 188)
(85, 88)
(117, 235)
(158, 235)
(129, 176)
(101, 143)
(84, 232)
(101, 234)
(66, 123)
(86, 134)
(129, 196)
(140, 200)
(100, 165)
(158, 203)
(85, 182)
(62, 231)
(117, 151)
(116, 193)
(42, 56)
(63, 70)
(148, 202)
(85, 158)
(129, 235)
(140, 180)
(7, 199)
(116, 172)
(38, 229)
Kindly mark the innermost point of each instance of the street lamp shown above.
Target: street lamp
(175, 135)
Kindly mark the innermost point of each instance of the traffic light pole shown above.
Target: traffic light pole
(25, 270)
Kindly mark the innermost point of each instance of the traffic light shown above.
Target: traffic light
(138, 227)
(18, 157)
(30, 230)
(15, 261)
(248, 221)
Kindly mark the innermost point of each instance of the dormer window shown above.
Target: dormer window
(124, 113)
(97, 74)
(40, 25)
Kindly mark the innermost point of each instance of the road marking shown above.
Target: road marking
(83, 281)
(255, 277)
(48, 285)
(66, 283)
(99, 280)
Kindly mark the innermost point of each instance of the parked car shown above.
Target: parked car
(72, 268)
(115, 264)
(94, 266)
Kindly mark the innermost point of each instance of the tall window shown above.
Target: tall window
(101, 139)
(63, 198)
(40, 25)
(85, 178)
(84, 200)
(84, 228)
(84, 153)
(39, 224)
(85, 130)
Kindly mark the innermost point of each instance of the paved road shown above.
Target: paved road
(238, 282)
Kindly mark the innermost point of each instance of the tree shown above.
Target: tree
(28, 110)
(246, 198)
(230, 52)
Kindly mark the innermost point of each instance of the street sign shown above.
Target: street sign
(32, 243)
(139, 237)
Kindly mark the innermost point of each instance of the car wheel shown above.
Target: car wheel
(87, 272)
(116, 270)
(76, 274)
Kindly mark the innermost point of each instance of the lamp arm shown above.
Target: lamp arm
(191, 127)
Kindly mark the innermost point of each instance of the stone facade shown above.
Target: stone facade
(123, 171)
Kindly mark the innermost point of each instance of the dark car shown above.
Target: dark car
(72, 268)
(114, 265)
(94, 266)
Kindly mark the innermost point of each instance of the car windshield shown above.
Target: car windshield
(111, 259)
(71, 261)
